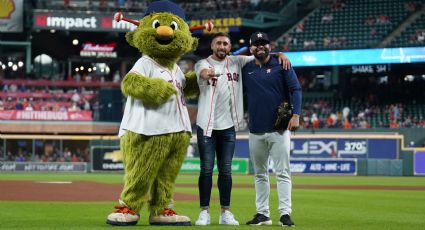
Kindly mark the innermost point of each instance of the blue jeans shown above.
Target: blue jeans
(222, 143)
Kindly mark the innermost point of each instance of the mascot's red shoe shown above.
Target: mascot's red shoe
(169, 217)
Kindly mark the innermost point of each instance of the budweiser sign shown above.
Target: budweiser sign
(91, 47)
(98, 50)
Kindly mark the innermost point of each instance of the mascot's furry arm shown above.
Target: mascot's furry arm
(191, 89)
(151, 91)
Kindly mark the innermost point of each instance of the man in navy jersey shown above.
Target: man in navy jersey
(267, 85)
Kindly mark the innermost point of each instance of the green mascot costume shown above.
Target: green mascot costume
(155, 129)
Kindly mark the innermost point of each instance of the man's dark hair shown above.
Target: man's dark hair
(221, 34)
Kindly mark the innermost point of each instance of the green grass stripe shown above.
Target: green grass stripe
(312, 209)
(237, 179)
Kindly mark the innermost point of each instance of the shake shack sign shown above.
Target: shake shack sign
(81, 21)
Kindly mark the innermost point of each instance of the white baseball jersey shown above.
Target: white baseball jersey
(170, 117)
(220, 103)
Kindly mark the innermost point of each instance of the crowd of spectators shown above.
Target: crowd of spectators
(79, 92)
(47, 98)
(418, 37)
(412, 6)
(194, 9)
(367, 29)
(335, 5)
(322, 114)
(102, 5)
(24, 155)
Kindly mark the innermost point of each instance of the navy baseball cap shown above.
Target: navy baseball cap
(258, 36)
(165, 6)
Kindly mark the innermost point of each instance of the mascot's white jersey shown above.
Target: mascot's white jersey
(170, 117)
(216, 91)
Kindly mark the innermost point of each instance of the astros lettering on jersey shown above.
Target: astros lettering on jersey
(228, 83)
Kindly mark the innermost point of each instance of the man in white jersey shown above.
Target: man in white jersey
(220, 114)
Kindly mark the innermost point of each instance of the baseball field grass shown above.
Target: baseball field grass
(319, 202)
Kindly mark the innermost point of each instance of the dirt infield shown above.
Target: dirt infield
(92, 191)
(66, 191)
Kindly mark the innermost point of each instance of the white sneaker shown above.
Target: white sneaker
(204, 218)
(227, 218)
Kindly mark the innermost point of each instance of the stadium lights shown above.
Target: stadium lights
(20, 64)
(9, 64)
(242, 41)
(89, 70)
(76, 69)
(94, 68)
(81, 67)
(409, 78)
(14, 67)
(3, 66)
(52, 31)
(75, 42)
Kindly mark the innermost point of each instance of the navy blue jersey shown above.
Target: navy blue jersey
(266, 87)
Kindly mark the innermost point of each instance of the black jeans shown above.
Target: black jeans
(222, 143)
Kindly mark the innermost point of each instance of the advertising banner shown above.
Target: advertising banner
(359, 148)
(45, 115)
(365, 69)
(316, 166)
(419, 163)
(109, 158)
(106, 158)
(11, 16)
(99, 21)
(44, 95)
(43, 166)
(193, 165)
(98, 50)
(83, 21)
(226, 25)
(357, 57)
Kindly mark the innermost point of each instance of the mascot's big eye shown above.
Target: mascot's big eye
(174, 25)
(155, 24)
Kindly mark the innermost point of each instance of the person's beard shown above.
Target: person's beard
(221, 54)
(262, 56)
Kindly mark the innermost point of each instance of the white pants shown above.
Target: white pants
(277, 146)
